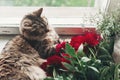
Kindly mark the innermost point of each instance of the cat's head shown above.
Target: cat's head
(33, 26)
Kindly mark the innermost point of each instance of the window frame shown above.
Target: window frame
(54, 12)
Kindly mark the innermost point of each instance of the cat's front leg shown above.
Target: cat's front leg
(47, 48)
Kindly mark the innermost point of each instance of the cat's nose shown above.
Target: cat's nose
(35, 27)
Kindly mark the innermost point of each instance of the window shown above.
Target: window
(69, 17)
(62, 14)
(56, 3)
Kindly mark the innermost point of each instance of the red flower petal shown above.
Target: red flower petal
(44, 66)
(54, 60)
(77, 41)
(92, 38)
(60, 46)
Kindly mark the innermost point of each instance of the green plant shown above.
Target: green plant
(109, 25)
(92, 67)
(93, 62)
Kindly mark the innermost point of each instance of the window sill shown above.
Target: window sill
(63, 26)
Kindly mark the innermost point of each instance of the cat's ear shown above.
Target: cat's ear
(38, 12)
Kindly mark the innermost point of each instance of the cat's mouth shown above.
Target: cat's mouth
(35, 33)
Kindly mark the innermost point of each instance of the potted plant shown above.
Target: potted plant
(88, 56)
(109, 27)
(91, 62)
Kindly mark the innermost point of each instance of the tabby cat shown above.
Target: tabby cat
(39, 34)
(22, 56)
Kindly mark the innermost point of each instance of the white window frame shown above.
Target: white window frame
(59, 17)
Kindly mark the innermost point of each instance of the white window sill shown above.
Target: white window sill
(3, 41)
(63, 26)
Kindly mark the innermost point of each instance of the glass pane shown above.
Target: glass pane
(57, 3)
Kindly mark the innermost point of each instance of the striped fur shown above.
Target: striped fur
(39, 34)
(17, 60)
(22, 56)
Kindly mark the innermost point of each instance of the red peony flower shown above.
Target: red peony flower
(44, 66)
(60, 46)
(55, 59)
(92, 38)
(77, 41)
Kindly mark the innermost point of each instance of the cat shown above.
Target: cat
(39, 34)
(22, 56)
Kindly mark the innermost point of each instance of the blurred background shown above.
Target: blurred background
(57, 3)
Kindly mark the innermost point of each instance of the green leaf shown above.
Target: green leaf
(54, 73)
(80, 53)
(70, 50)
(92, 52)
(116, 72)
(103, 51)
(68, 66)
(104, 72)
(92, 73)
(93, 68)
(79, 76)
(105, 58)
(49, 78)
(85, 59)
